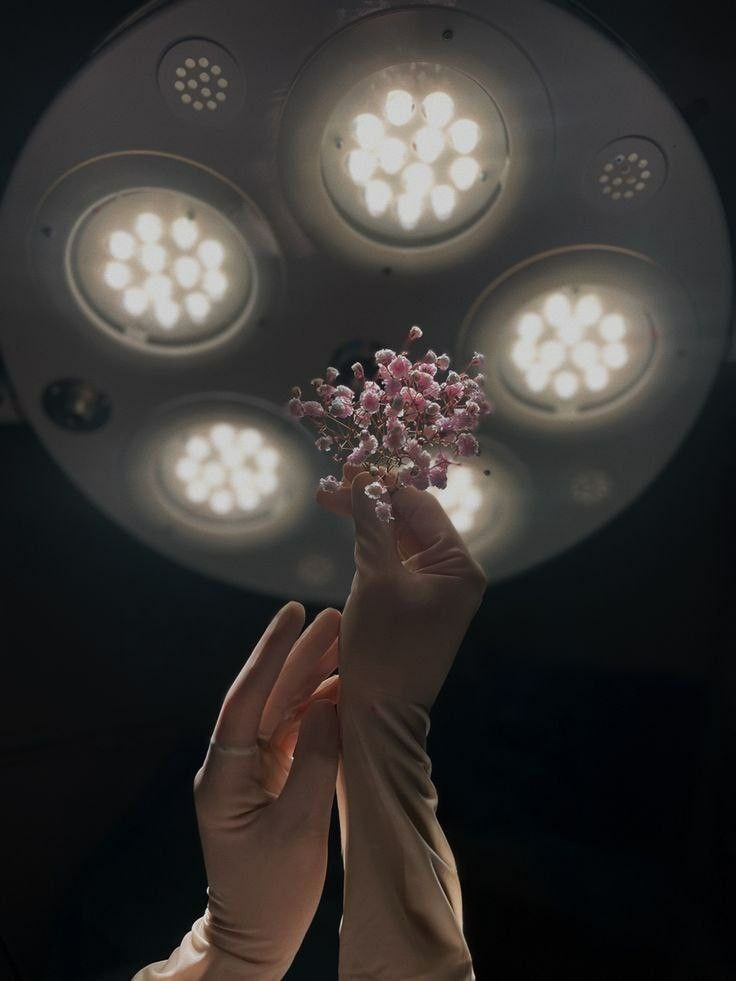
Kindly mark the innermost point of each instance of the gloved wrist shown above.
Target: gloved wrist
(198, 959)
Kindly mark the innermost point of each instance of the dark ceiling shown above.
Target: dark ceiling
(583, 746)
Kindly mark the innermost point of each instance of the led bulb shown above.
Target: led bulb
(418, 179)
(158, 288)
(268, 458)
(361, 165)
(378, 196)
(409, 208)
(523, 354)
(588, 310)
(211, 254)
(167, 313)
(557, 310)
(537, 377)
(585, 355)
(615, 355)
(438, 109)
(368, 130)
(117, 275)
(250, 439)
(122, 246)
(429, 144)
(530, 327)
(187, 271)
(566, 384)
(148, 227)
(612, 328)
(222, 501)
(443, 201)
(215, 283)
(266, 481)
(222, 434)
(198, 448)
(213, 474)
(198, 306)
(184, 232)
(135, 301)
(464, 172)
(153, 258)
(392, 155)
(399, 107)
(552, 355)
(464, 134)
(596, 377)
(197, 491)
(186, 468)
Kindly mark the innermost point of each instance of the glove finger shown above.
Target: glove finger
(421, 522)
(286, 733)
(312, 658)
(306, 801)
(375, 545)
(240, 715)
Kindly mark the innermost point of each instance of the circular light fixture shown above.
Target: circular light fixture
(155, 252)
(580, 337)
(416, 161)
(413, 153)
(221, 471)
(577, 347)
(159, 265)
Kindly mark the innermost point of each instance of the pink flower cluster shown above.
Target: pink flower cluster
(390, 426)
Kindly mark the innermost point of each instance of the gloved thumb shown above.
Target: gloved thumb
(306, 801)
(375, 545)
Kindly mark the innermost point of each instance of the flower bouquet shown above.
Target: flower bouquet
(401, 425)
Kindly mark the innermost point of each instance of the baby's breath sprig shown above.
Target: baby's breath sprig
(392, 425)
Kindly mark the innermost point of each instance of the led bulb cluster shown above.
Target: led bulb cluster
(228, 470)
(170, 272)
(570, 345)
(462, 498)
(415, 158)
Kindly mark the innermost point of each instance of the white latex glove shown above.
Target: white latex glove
(415, 591)
(263, 820)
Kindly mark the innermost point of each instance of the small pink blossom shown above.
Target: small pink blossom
(384, 355)
(331, 374)
(362, 418)
(432, 410)
(477, 360)
(415, 333)
(345, 392)
(313, 409)
(370, 401)
(443, 362)
(467, 444)
(393, 386)
(296, 408)
(326, 391)
(375, 490)
(357, 456)
(429, 432)
(330, 484)
(384, 512)
(340, 408)
(423, 460)
(394, 438)
(324, 443)
(358, 371)
(430, 358)
(438, 477)
(369, 442)
(400, 367)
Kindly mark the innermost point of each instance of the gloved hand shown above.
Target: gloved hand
(415, 590)
(263, 819)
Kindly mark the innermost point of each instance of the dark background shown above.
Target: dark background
(583, 747)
